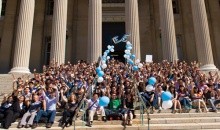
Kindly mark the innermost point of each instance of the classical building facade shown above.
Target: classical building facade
(33, 32)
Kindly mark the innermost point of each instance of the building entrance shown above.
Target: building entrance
(109, 30)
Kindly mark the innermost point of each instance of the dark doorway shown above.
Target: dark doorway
(109, 30)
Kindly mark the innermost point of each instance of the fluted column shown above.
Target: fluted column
(132, 25)
(168, 30)
(58, 42)
(23, 37)
(95, 30)
(201, 29)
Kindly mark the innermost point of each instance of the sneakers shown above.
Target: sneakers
(27, 126)
(34, 126)
(104, 119)
(20, 126)
(48, 125)
(89, 124)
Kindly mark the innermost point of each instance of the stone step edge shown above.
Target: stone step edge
(139, 127)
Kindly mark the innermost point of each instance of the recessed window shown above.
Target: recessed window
(50, 6)
(113, 1)
(175, 6)
(47, 50)
(4, 2)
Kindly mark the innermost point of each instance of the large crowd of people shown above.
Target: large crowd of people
(67, 86)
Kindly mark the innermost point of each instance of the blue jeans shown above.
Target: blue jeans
(48, 113)
(185, 102)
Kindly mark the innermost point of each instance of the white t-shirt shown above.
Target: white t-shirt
(95, 106)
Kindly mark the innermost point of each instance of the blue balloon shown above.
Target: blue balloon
(104, 101)
(127, 46)
(132, 56)
(152, 80)
(130, 62)
(166, 96)
(107, 51)
(98, 69)
(100, 73)
(135, 68)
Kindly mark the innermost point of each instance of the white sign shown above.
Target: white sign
(149, 58)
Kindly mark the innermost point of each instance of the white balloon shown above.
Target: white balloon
(140, 65)
(108, 57)
(100, 79)
(109, 47)
(167, 104)
(137, 61)
(104, 66)
(128, 43)
(103, 61)
(112, 50)
(149, 88)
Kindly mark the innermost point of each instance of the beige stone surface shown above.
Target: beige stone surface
(202, 35)
(95, 30)
(132, 25)
(168, 30)
(58, 39)
(23, 37)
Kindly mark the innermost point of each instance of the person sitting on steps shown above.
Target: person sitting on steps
(50, 112)
(93, 107)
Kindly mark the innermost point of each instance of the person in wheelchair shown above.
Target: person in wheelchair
(128, 109)
(150, 99)
(69, 111)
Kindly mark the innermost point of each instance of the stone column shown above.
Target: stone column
(168, 30)
(132, 25)
(58, 41)
(95, 30)
(23, 37)
(201, 29)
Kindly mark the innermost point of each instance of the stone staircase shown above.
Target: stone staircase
(6, 83)
(164, 120)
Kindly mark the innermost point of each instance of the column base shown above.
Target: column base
(208, 67)
(20, 70)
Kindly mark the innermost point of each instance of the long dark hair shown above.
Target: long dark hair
(174, 91)
(182, 91)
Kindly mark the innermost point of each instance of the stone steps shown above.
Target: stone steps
(158, 121)
(189, 126)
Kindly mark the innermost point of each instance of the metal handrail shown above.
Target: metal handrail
(83, 104)
(143, 108)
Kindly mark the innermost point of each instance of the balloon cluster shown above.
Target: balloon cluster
(130, 57)
(103, 64)
(166, 98)
(151, 83)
